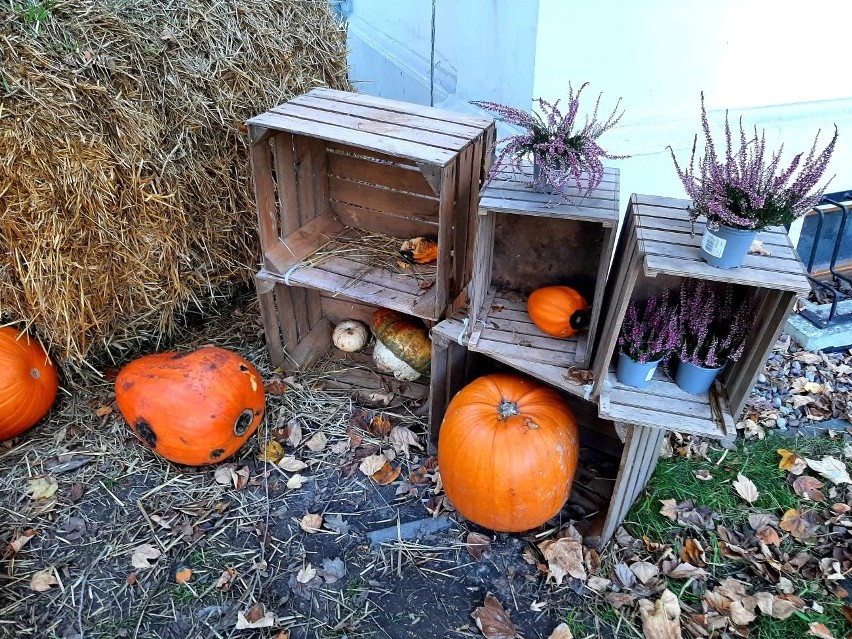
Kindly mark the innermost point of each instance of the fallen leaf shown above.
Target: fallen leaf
(791, 462)
(832, 469)
(746, 489)
(317, 442)
(686, 570)
(290, 464)
(296, 481)
(619, 599)
(224, 474)
(77, 491)
(809, 488)
(661, 619)
(538, 606)
(43, 580)
(336, 523)
(226, 579)
(144, 556)
(819, 630)
(386, 474)
(402, 438)
(478, 544)
(372, 464)
(311, 523)
(598, 584)
(740, 615)
(768, 535)
(271, 452)
(241, 478)
(625, 577)
(807, 357)
(255, 617)
(379, 426)
(757, 248)
(42, 487)
(562, 631)
(275, 387)
(307, 573)
(693, 553)
(669, 509)
(183, 575)
(103, 411)
(645, 571)
(793, 523)
(813, 387)
(20, 541)
(332, 570)
(294, 432)
(703, 475)
(493, 620)
(340, 447)
(132, 579)
(800, 400)
(564, 557)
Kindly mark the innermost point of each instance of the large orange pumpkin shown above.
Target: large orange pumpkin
(558, 310)
(192, 408)
(507, 451)
(28, 382)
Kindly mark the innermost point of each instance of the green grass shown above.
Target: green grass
(797, 625)
(34, 12)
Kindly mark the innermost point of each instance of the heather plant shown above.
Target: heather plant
(564, 150)
(653, 335)
(713, 323)
(749, 189)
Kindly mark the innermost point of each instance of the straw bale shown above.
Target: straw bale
(125, 195)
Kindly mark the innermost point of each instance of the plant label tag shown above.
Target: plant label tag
(650, 374)
(713, 244)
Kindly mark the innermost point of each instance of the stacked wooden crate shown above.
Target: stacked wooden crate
(337, 174)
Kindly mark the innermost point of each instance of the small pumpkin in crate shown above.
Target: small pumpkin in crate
(28, 382)
(419, 250)
(507, 452)
(349, 336)
(192, 408)
(559, 311)
(403, 347)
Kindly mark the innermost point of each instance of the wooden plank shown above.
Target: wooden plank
(437, 389)
(689, 254)
(303, 242)
(358, 152)
(482, 267)
(286, 319)
(404, 282)
(624, 482)
(657, 264)
(371, 141)
(564, 359)
(337, 309)
(525, 173)
(396, 131)
(477, 327)
(308, 206)
(392, 176)
(548, 345)
(302, 324)
(288, 192)
(654, 418)
(384, 223)
(568, 211)
(669, 403)
(551, 374)
(472, 212)
(312, 301)
(597, 301)
(271, 328)
(600, 198)
(380, 199)
(264, 193)
(684, 237)
(313, 346)
(320, 181)
(464, 185)
(415, 122)
(404, 107)
(443, 278)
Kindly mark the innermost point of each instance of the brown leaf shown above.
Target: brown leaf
(645, 571)
(103, 411)
(769, 536)
(661, 619)
(275, 387)
(290, 464)
(693, 553)
(819, 630)
(226, 579)
(311, 523)
(478, 544)
(77, 491)
(255, 617)
(808, 487)
(598, 584)
(144, 556)
(183, 575)
(794, 524)
(564, 557)
(373, 464)
(402, 438)
(686, 570)
(493, 620)
(294, 432)
(379, 426)
(619, 599)
(386, 474)
(562, 631)
(20, 541)
(703, 475)
(740, 615)
(271, 452)
(317, 442)
(132, 579)
(43, 580)
(669, 508)
(746, 489)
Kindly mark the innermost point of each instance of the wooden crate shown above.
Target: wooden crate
(331, 164)
(611, 474)
(298, 322)
(656, 251)
(526, 240)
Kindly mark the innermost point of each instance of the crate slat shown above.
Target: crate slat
(383, 200)
(288, 191)
(392, 176)
(267, 213)
(385, 223)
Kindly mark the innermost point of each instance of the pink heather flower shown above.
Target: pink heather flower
(746, 189)
(565, 151)
(652, 336)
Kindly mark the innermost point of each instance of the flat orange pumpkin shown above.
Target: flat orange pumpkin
(28, 382)
(559, 311)
(192, 408)
(507, 451)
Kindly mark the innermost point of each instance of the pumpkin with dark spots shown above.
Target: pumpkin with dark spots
(195, 409)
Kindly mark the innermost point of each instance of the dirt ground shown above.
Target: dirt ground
(110, 528)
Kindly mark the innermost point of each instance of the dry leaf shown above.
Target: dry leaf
(183, 575)
(306, 574)
(669, 508)
(19, 542)
(77, 491)
(493, 620)
(793, 523)
(311, 523)
(598, 584)
(819, 630)
(226, 579)
(42, 487)
(564, 557)
(241, 478)
(703, 475)
(379, 426)
(740, 615)
(255, 617)
(271, 452)
(43, 580)
(386, 474)
(333, 570)
(296, 481)
(402, 438)
(103, 411)
(832, 469)
(373, 464)
(645, 571)
(768, 535)
(562, 631)
(290, 464)
(746, 489)
(686, 570)
(809, 488)
(224, 474)
(693, 553)
(144, 556)
(478, 544)
(275, 387)
(294, 432)
(800, 400)
(757, 248)
(317, 442)
(661, 619)
(813, 387)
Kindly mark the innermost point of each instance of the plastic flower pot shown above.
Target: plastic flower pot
(726, 247)
(632, 373)
(695, 379)
(547, 187)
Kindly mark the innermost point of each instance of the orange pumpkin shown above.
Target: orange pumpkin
(507, 451)
(559, 311)
(192, 408)
(419, 250)
(406, 338)
(28, 382)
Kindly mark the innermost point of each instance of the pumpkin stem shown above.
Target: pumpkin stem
(579, 319)
(243, 422)
(507, 409)
(34, 373)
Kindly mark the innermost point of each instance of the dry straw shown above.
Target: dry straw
(125, 193)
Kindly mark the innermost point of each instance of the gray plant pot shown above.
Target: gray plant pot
(633, 373)
(695, 379)
(726, 247)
